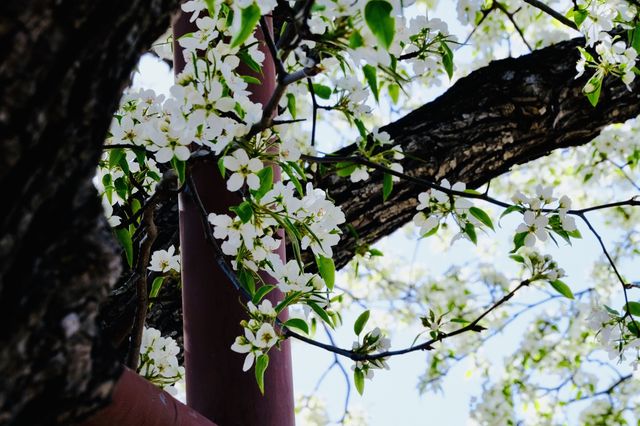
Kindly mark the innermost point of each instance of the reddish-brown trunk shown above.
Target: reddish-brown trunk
(216, 385)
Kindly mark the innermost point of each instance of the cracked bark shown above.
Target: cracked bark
(510, 112)
(63, 66)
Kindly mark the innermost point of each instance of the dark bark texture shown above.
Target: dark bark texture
(63, 66)
(510, 112)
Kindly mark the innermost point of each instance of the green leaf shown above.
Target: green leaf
(593, 88)
(250, 80)
(321, 313)
(432, 231)
(115, 155)
(470, 230)
(221, 166)
(370, 74)
(355, 40)
(510, 210)
(387, 186)
(518, 241)
(327, 270)
(266, 182)
(394, 92)
(248, 60)
(262, 362)
(298, 323)
(292, 176)
(246, 279)
(633, 328)
(156, 286)
(124, 237)
(261, 293)
(633, 308)
(482, 216)
(180, 168)
(322, 91)
(447, 58)
(377, 14)
(358, 380)
(562, 288)
(291, 105)
(244, 211)
(375, 252)
(210, 7)
(635, 38)
(344, 169)
(361, 129)
(249, 17)
(517, 258)
(121, 187)
(358, 326)
(579, 15)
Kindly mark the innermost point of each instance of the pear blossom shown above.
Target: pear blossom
(165, 260)
(244, 168)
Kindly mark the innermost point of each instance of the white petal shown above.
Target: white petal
(253, 181)
(235, 182)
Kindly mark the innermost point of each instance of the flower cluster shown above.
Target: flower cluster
(618, 333)
(259, 334)
(615, 56)
(372, 342)
(539, 218)
(376, 148)
(158, 359)
(435, 205)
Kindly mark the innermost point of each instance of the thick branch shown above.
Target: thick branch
(510, 112)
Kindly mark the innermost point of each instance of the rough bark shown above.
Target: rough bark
(63, 66)
(510, 112)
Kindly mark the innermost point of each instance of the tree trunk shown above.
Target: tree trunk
(63, 66)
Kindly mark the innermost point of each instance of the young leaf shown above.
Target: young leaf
(394, 92)
(248, 60)
(266, 182)
(370, 75)
(321, 313)
(358, 326)
(470, 230)
(322, 91)
(246, 279)
(180, 168)
(633, 308)
(482, 216)
(344, 169)
(593, 88)
(262, 362)
(387, 186)
(358, 380)
(127, 244)
(156, 286)
(562, 288)
(518, 241)
(447, 58)
(249, 17)
(377, 14)
(327, 270)
(291, 105)
(510, 210)
(298, 323)
(244, 211)
(261, 293)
